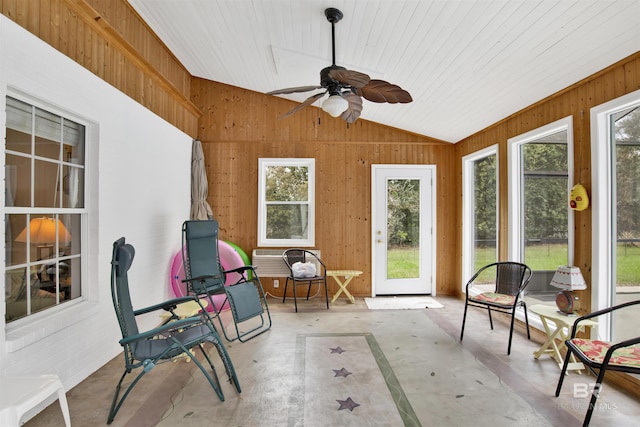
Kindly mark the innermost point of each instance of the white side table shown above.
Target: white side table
(18, 395)
(558, 326)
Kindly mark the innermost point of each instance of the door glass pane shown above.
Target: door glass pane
(403, 228)
(626, 251)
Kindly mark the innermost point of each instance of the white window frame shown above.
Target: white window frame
(263, 164)
(516, 185)
(603, 266)
(468, 221)
(24, 331)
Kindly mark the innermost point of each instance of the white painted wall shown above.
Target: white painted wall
(139, 188)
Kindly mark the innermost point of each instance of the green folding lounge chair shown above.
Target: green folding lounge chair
(143, 350)
(205, 277)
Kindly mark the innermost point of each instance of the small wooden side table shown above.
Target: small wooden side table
(561, 329)
(348, 275)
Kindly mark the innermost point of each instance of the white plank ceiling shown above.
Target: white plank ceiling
(466, 63)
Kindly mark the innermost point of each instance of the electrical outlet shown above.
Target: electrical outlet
(276, 284)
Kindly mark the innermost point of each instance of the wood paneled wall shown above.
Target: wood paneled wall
(240, 126)
(577, 100)
(237, 127)
(108, 38)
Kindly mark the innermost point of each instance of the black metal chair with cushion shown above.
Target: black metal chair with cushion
(300, 275)
(600, 356)
(206, 277)
(499, 287)
(145, 349)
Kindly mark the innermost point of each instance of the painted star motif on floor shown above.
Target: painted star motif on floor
(347, 404)
(341, 372)
(337, 350)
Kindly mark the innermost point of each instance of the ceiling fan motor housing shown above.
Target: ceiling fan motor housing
(326, 81)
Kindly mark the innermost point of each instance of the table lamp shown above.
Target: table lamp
(43, 233)
(568, 278)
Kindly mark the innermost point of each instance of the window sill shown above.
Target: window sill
(31, 331)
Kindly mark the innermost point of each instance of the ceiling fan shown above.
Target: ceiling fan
(345, 87)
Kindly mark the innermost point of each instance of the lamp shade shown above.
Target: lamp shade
(43, 231)
(335, 105)
(568, 278)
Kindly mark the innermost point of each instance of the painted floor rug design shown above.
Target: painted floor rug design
(401, 303)
(348, 381)
(362, 368)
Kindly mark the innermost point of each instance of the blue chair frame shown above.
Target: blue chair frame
(205, 277)
(145, 349)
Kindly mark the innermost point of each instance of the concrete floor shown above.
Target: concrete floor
(354, 366)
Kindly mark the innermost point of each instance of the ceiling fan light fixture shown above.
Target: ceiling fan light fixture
(335, 105)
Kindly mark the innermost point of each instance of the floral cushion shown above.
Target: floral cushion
(596, 351)
(494, 298)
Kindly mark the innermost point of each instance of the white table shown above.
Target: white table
(18, 395)
(558, 326)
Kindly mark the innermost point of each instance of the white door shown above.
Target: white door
(403, 237)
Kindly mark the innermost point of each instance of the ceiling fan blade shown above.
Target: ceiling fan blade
(381, 91)
(310, 100)
(293, 90)
(352, 113)
(351, 78)
(350, 85)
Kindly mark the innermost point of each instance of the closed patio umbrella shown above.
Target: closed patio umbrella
(200, 209)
